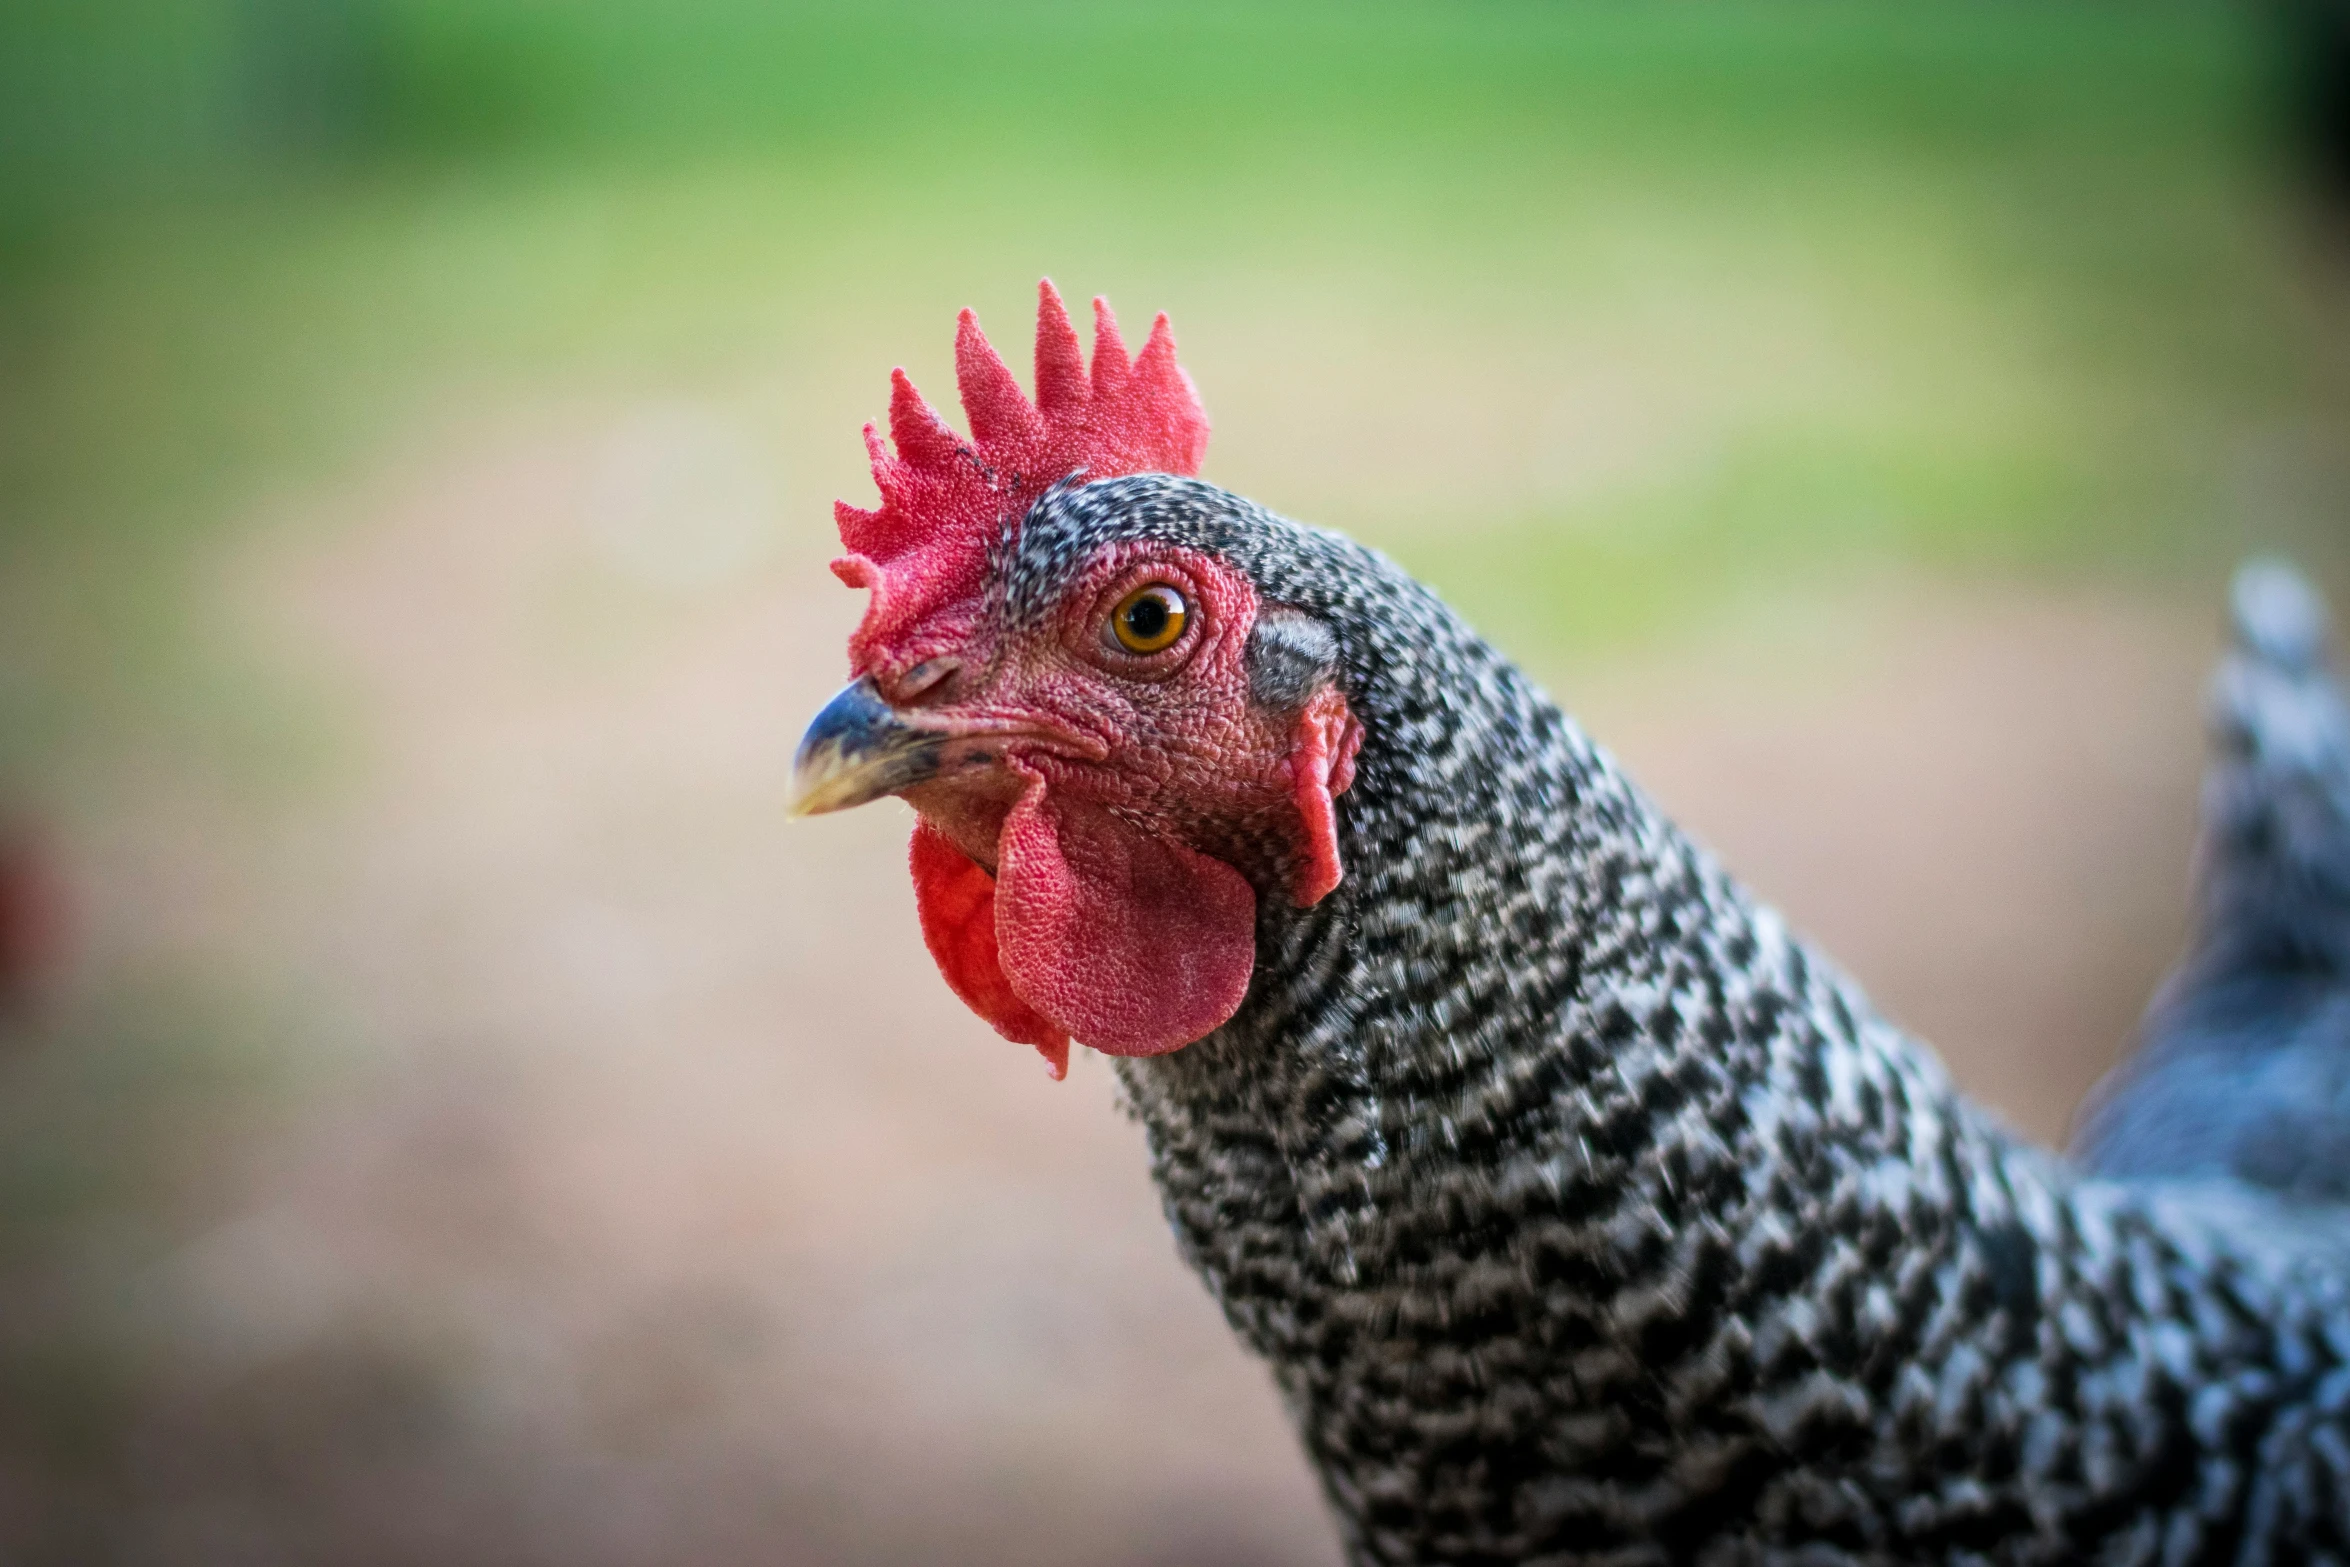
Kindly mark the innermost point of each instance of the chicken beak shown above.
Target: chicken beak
(859, 749)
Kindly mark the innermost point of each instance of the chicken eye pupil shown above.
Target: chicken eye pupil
(1149, 619)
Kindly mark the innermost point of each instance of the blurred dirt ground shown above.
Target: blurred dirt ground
(643, 1196)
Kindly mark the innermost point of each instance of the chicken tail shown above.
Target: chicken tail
(2275, 855)
(2243, 1065)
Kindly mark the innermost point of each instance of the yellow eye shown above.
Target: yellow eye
(1148, 620)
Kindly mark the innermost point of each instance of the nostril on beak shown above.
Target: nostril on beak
(926, 679)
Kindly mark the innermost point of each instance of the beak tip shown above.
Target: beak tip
(856, 750)
(803, 803)
(818, 777)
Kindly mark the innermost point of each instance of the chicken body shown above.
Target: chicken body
(1587, 1215)
(1584, 1213)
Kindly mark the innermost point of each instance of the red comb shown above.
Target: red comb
(945, 501)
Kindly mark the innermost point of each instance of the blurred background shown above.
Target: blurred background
(447, 1116)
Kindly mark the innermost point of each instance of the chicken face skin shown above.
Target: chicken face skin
(1170, 743)
(1126, 808)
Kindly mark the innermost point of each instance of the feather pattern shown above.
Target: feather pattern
(1586, 1214)
(2244, 1069)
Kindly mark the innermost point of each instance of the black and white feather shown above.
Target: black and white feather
(1586, 1214)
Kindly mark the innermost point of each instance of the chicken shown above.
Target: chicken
(2244, 1070)
(1583, 1212)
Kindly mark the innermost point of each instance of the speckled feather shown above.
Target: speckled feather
(1586, 1214)
(2244, 1070)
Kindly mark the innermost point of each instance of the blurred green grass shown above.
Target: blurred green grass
(2034, 279)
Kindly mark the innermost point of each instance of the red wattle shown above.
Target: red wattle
(1132, 943)
(956, 902)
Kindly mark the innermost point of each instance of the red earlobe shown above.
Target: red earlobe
(1321, 768)
(956, 902)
